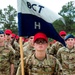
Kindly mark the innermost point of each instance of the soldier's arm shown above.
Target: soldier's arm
(58, 68)
(11, 57)
(59, 55)
(12, 69)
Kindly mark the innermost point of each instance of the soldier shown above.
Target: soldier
(6, 58)
(55, 47)
(17, 38)
(66, 56)
(7, 34)
(41, 63)
(14, 43)
(11, 44)
(29, 41)
(15, 46)
(8, 39)
(28, 47)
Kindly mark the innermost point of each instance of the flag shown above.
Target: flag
(34, 17)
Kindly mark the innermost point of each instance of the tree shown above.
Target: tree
(8, 19)
(68, 13)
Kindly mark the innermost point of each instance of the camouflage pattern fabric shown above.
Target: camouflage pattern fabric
(16, 47)
(54, 48)
(9, 46)
(25, 44)
(48, 66)
(28, 50)
(67, 60)
(48, 49)
(6, 58)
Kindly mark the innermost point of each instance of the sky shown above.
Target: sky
(54, 5)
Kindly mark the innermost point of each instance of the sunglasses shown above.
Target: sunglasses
(41, 41)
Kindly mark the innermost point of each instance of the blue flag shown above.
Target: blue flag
(34, 17)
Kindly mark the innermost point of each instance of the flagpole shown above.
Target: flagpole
(21, 55)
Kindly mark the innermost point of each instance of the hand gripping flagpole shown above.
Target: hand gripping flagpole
(21, 55)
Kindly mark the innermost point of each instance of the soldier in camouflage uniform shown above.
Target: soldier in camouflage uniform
(7, 34)
(66, 56)
(16, 47)
(41, 63)
(28, 47)
(11, 44)
(6, 58)
(55, 47)
(8, 39)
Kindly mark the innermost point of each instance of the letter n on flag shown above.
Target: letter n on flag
(34, 17)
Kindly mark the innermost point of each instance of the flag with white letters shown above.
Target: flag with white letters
(34, 17)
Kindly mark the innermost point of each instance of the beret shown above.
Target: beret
(68, 36)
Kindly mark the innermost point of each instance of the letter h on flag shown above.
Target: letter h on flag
(34, 17)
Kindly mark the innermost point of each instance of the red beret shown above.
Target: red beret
(8, 31)
(13, 35)
(40, 35)
(62, 33)
(17, 37)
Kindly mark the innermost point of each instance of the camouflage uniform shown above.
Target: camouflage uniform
(48, 49)
(6, 59)
(16, 52)
(48, 66)
(67, 60)
(54, 48)
(25, 44)
(28, 50)
(9, 46)
(16, 47)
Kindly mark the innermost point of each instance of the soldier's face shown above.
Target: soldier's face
(7, 37)
(1, 38)
(31, 40)
(63, 36)
(40, 45)
(70, 42)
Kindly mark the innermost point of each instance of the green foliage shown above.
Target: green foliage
(68, 13)
(8, 19)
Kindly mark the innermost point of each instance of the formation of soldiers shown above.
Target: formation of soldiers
(40, 57)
